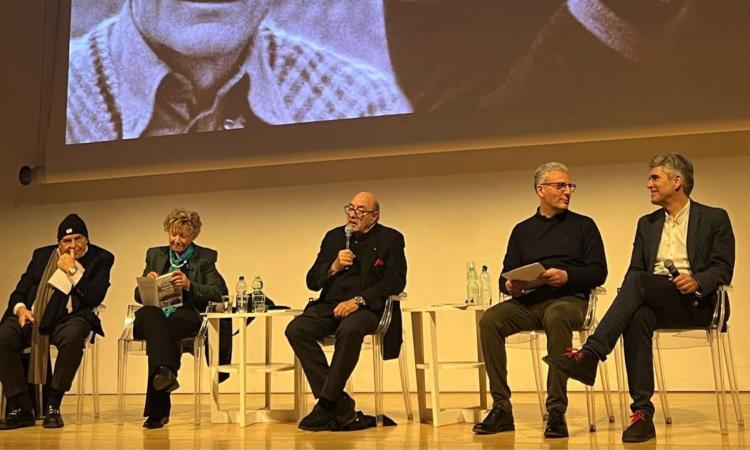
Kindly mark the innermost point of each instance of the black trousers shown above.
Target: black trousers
(318, 321)
(557, 317)
(163, 335)
(69, 337)
(645, 302)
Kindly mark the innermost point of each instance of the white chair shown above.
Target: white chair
(89, 347)
(374, 342)
(588, 326)
(128, 345)
(716, 337)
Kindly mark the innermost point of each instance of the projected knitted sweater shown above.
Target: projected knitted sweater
(114, 77)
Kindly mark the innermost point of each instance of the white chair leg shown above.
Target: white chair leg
(198, 388)
(660, 381)
(122, 366)
(403, 366)
(606, 391)
(622, 389)
(2, 402)
(732, 375)
(80, 394)
(538, 377)
(95, 378)
(590, 393)
(716, 360)
(377, 363)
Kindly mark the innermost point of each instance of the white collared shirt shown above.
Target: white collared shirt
(673, 244)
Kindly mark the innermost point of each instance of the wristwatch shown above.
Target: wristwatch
(72, 270)
(360, 301)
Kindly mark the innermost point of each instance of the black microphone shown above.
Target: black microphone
(669, 265)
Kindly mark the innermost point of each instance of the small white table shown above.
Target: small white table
(436, 415)
(240, 368)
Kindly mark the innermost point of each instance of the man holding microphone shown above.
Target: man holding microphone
(359, 265)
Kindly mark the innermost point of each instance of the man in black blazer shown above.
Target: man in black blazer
(683, 236)
(53, 303)
(359, 265)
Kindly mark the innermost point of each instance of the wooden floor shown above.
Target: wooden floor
(694, 415)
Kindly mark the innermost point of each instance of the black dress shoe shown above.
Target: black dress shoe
(556, 426)
(165, 379)
(345, 413)
(319, 419)
(576, 364)
(155, 422)
(498, 420)
(53, 418)
(18, 418)
(641, 427)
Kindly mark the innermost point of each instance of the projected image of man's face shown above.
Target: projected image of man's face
(199, 28)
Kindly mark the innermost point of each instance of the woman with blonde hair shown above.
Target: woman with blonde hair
(193, 269)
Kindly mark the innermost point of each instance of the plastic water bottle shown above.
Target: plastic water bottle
(259, 298)
(472, 284)
(484, 287)
(240, 290)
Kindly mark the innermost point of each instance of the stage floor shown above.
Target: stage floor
(694, 414)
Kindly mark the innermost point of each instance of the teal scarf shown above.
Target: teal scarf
(175, 263)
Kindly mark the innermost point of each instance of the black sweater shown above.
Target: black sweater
(567, 241)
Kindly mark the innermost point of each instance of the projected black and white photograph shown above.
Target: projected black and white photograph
(162, 67)
(141, 68)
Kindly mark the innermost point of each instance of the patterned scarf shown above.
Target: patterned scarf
(40, 343)
(175, 263)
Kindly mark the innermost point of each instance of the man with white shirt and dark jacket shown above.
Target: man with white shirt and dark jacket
(53, 303)
(695, 240)
(570, 248)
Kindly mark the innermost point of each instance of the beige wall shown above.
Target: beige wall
(452, 208)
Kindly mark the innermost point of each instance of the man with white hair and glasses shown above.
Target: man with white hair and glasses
(569, 247)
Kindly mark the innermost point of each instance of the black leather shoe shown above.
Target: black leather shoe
(155, 422)
(641, 427)
(319, 419)
(576, 364)
(53, 418)
(18, 418)
(556, 426)
(499, 419)
(165, 379)
(345, 413)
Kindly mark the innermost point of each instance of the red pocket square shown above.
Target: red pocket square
(378, 262)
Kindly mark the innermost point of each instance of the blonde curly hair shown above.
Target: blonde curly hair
(182, 218)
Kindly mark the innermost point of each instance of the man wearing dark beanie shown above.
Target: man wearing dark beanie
(53, 303)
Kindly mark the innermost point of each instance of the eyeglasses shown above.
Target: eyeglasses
(357, 212)
(560, 186)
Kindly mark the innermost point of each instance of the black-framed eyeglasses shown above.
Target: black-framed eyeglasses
(357, 212)
(561, 186)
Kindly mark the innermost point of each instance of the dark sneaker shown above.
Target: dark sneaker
(319, 419)
(498, 420)
(155, 422)
(165, 379)
(579, 365)
(18, 418)
(641, 427)
(556, 426)
(345, 413)
(53, 418)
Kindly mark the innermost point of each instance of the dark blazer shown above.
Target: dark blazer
(86, 295)
(206, 284)
(710, 245)
(383, 272)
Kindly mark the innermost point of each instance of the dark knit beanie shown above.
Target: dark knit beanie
(72, 225)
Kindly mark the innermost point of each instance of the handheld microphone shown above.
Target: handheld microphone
(348, 233)
(669, 265)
